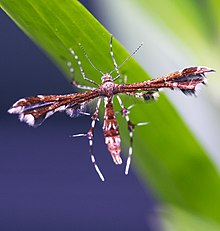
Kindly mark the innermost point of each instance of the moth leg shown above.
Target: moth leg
(125, 112)
(149, 95)
(75, 84)
(113, 58)
(115, 63)
(90, 135)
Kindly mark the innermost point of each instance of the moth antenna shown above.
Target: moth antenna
(87, 57)
(81, 68)
(132, 54)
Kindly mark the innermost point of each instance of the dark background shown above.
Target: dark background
(47, 181)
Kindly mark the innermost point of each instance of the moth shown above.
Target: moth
(34, 110)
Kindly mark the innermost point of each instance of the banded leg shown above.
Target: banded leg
(90, 135)
(83, 87)
(74, 83)
(81, 68)
(114, 61)
(125, 112)
(113, 58)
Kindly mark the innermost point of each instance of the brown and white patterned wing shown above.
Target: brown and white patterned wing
(185, 80)
(35, 110)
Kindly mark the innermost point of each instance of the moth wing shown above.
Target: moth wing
(81, 109)
(35, 110)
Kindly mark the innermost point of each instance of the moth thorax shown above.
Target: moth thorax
(107, 78)
(108, 86)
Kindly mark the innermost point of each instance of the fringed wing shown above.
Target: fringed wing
(35, 110)
(185, 80)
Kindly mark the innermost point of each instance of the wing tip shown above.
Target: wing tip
(27, 118)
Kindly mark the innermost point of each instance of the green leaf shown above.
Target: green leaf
(175, 219)
(166, 154)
